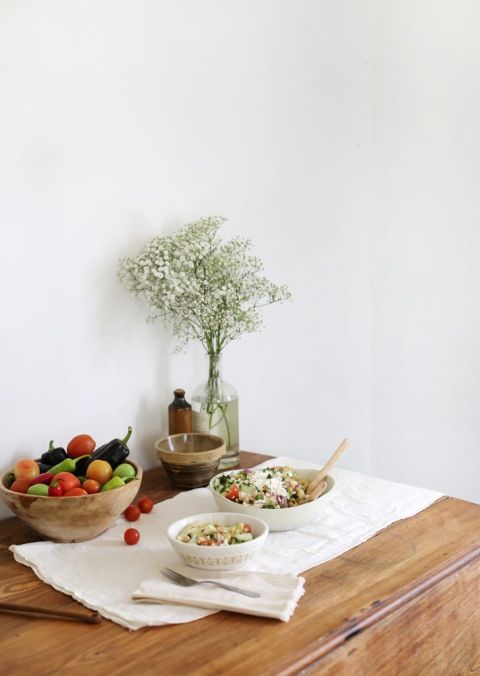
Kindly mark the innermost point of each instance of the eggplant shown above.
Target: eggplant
(115, 452)
(53, 456)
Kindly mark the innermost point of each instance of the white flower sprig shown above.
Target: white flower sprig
(207, 290)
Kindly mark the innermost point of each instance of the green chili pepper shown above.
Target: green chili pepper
(67, 465)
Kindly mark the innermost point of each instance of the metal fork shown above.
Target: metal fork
(180, 579)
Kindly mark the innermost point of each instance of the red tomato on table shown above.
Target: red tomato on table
(145, 505)
(131, 536)
(132, 513)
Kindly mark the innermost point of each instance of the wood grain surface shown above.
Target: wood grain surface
(404, 602)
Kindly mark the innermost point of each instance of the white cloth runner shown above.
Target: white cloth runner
(104, 573)
(279, 594)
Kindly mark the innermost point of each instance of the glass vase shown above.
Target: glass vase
(215, 411)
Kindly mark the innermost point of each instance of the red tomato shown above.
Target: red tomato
(132, 513)
(131, 536)
(20, 485)
(247, 528)
(67, 481)
(145, 505)
(55, 490)
(99, 470)
(232, 492)
(74, 492)
(91, 486)
(83, 444)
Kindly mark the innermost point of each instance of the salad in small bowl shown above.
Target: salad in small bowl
(278, 495)
(217, 541)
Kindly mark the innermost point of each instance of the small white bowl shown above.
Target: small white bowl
(287, 518)
(223, 557)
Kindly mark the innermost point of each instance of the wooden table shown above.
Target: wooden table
(407, 601)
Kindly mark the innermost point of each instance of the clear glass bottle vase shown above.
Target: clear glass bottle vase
(215, 410)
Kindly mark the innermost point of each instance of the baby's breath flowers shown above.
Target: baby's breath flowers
(205, 289)
(210, 291)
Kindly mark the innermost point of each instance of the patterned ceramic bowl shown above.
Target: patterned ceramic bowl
(190, 460)
(222, 557)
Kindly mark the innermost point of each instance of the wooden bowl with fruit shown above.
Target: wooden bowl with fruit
(73, 495)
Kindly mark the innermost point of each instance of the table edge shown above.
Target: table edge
(380, 609)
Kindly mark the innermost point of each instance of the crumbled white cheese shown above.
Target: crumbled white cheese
(274, 485)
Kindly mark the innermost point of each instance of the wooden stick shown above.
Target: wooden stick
(318, 478)
(33, 611)
(318, 490)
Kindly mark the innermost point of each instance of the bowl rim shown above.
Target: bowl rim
(329, 477)
(219, 549)
(221, 442)
(7, 491)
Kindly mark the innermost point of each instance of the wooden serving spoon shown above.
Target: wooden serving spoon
(318, 484)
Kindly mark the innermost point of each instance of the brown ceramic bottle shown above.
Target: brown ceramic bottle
(179, 414)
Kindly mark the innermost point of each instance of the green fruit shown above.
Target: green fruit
(115, 482)
(38, 489)
(125, 471)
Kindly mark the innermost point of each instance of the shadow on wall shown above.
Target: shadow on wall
(151, 418)
(130, 354)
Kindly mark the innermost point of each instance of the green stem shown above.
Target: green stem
(126, 437)
(212, 403)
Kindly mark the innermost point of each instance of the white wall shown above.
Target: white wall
(124, 119)
(121, 120)
(426, 235)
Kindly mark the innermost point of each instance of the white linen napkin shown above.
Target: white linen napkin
(279, 594)
(104, 573)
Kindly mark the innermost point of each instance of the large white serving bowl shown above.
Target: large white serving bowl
(221, 557)
(287, 518)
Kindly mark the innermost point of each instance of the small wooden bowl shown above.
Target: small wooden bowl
(71, 519)
(190, 460)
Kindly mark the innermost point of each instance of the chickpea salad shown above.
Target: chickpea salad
(267, 488)
(215, 534)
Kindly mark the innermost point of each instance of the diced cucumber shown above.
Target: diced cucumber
(243, 537)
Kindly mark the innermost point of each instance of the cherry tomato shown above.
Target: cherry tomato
(55, 490)
(91, 486)
(132, 513)
(74, 492)
(26, 469)
(247, 528)
(67, 481)
(145, 505)
(131, 536)
(232, 492)
(83, 444)
(20, 485)
(99, 470)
